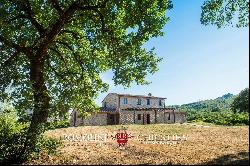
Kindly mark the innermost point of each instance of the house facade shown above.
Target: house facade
(130, 109)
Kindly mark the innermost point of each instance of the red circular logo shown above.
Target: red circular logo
(122, 137)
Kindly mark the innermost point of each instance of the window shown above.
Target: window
(105, 104)
(125, 101)
(139, 102)
(148, 101)
(139, 116)
(160, 102)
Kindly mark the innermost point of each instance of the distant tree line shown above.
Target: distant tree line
(228, 109)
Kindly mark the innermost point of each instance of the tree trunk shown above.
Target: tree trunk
(40, 109)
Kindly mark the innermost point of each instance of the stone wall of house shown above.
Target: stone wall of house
(139, 121)
(126, 117)
(180, 117)
(133, 102)
(131, 117)
(165, 116)
(95, 119)
(143, 114)
(111, 101)
(152, 116)
(160, 117)
(172, 118)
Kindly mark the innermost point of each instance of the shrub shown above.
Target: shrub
(57, 124)
(13, 134)
(46, 144)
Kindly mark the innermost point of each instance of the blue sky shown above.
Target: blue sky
(199, 62)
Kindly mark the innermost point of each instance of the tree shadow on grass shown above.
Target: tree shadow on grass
(241, 158)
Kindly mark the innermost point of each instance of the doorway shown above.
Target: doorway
(74, 118)
(148, 119)
(112, 119)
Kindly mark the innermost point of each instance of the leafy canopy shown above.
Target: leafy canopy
(241, 102)
(225, 12)
(82, 39)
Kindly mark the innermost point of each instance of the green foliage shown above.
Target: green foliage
(47, 145)
(13, 134)
(215, 111)
(222, 117)
(54, 52)
(241, 102)
(80, 41)
(57, 124)
(225, 12)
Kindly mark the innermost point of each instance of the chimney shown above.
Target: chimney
(149, 94)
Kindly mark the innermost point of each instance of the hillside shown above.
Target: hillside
(219, 103)
(217, 111)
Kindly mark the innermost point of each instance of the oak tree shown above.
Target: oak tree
(53, 51)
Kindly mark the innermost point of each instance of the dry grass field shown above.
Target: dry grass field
(204, 144)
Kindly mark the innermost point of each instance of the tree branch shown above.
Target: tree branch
(17, 47)
(63, 19)
(80, 63)
(102, 20)
(77, 5)
(73, 33)
(56, 73)
(66, 45)
(60, 56)
(56, 5)
(61, 75)
(30, 16)
(78, 60)
(16, 17)
(13, 56)
(58, 25)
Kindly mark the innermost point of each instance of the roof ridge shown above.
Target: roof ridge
(139, 96)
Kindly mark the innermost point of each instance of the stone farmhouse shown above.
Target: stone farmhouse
(130, 109)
